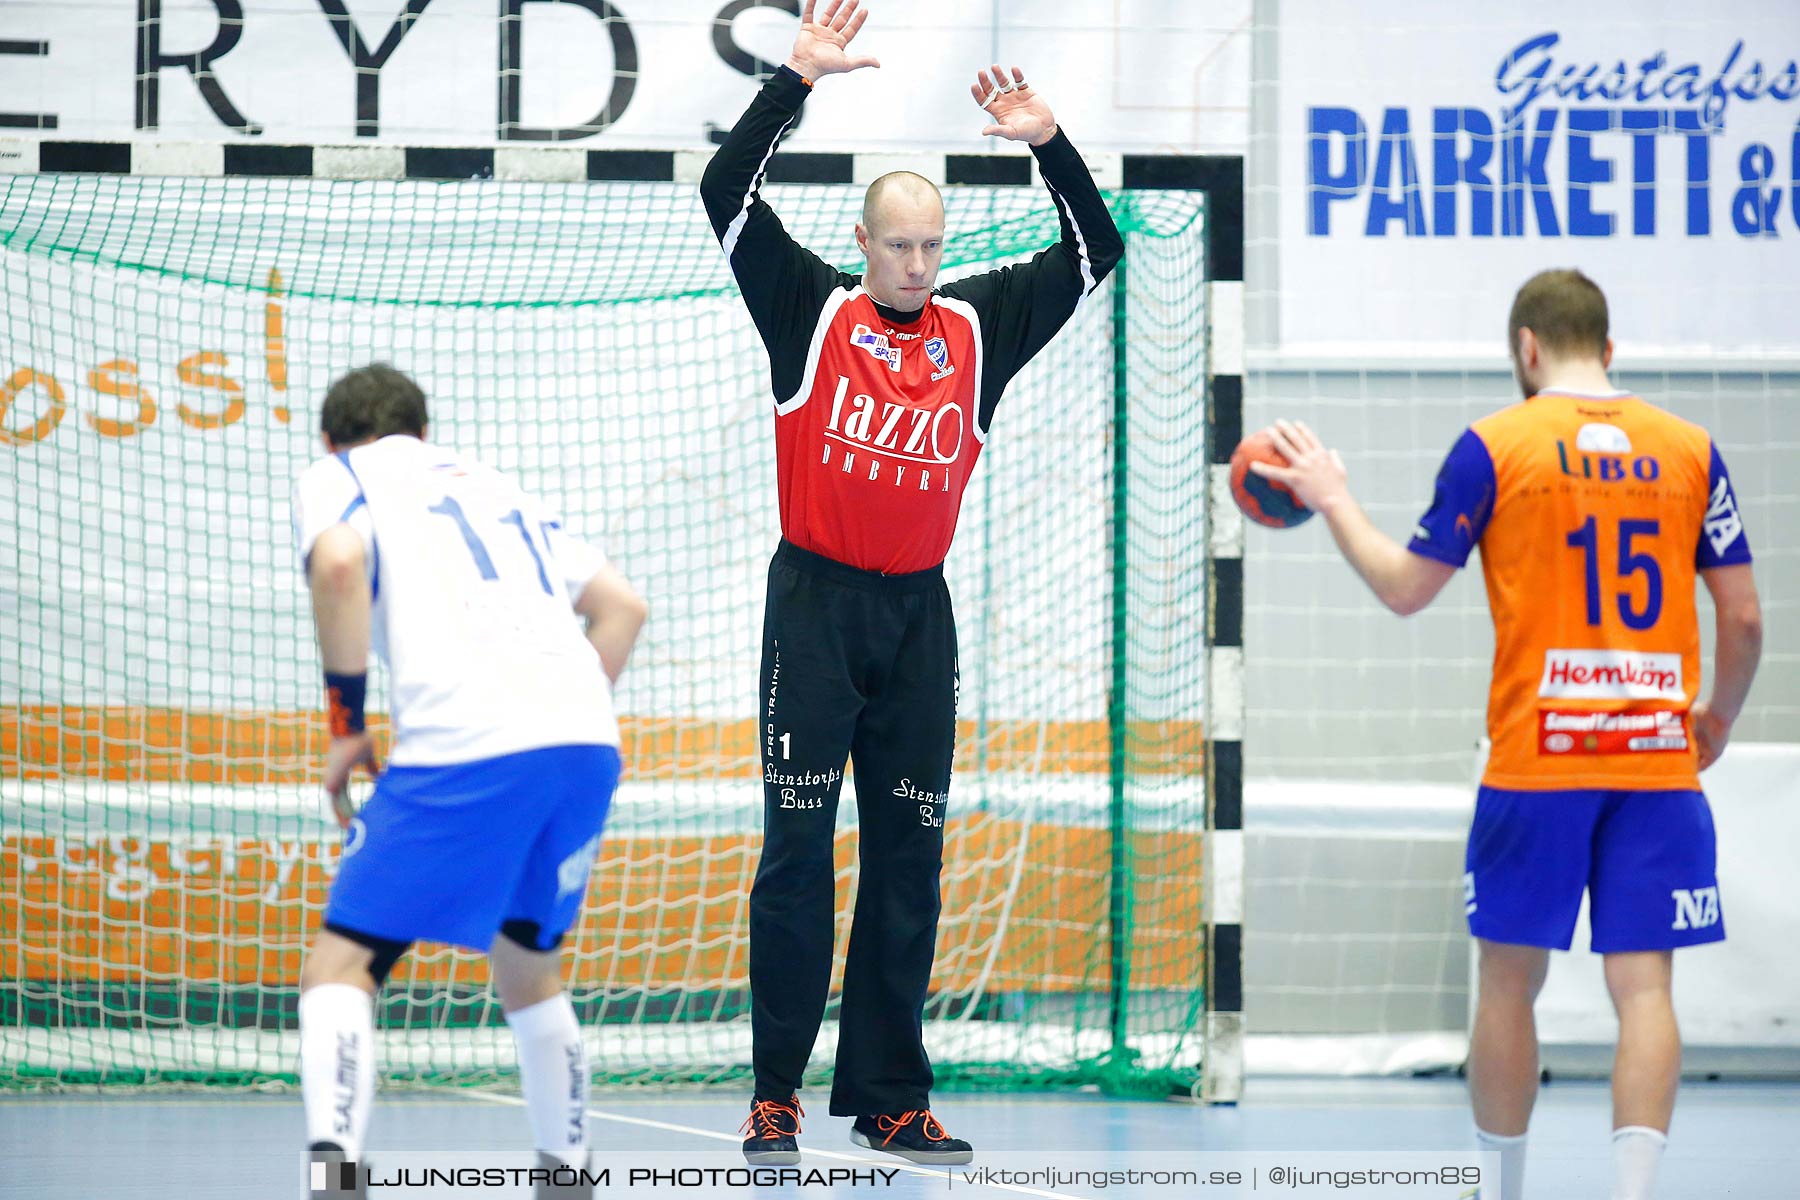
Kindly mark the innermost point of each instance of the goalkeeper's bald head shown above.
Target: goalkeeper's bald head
(901, 234)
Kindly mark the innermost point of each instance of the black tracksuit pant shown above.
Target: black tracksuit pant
(861, 665)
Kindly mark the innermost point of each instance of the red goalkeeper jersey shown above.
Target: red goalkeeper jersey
(880, 415)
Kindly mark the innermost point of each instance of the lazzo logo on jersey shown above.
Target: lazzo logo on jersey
(1611, 675)
(925, 435)
(938, 351)
(1723, 525)
(877, 345)
(1695, 908)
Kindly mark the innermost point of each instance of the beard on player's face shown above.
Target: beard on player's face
(1528, 379)
(1519, 377)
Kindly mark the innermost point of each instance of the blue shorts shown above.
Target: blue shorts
(450, 854)
(1648, 861)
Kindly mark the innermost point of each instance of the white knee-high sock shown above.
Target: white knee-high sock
(1637, 1152)
(553, 1074)
(1512, 1165)
(337, 1063)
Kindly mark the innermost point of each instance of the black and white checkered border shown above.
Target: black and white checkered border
(1220, 175)
(1222, 1068)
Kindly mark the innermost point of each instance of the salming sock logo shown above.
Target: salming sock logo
(577, 1064)
(348, 1054)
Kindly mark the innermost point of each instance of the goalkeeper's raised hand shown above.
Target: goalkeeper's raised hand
(822, 47)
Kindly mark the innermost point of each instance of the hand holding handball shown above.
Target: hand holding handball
(1263, 500)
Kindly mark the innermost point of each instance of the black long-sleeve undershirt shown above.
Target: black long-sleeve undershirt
(785, 285)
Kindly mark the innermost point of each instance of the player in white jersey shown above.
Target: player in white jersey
(483, 829)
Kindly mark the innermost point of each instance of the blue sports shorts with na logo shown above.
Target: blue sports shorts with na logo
(1648, 862)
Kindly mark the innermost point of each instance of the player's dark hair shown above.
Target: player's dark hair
(372, 402)
(1565, 310)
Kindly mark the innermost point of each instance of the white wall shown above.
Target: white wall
(1744, 991)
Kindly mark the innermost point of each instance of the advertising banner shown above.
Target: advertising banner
(1140, 76)
(1428, 166)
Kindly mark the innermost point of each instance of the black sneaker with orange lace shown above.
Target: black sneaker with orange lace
(915, 1136)
(772, 1127)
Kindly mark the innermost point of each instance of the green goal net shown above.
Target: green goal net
(164, 344)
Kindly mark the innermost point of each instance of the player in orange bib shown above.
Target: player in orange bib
(1594, 511)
